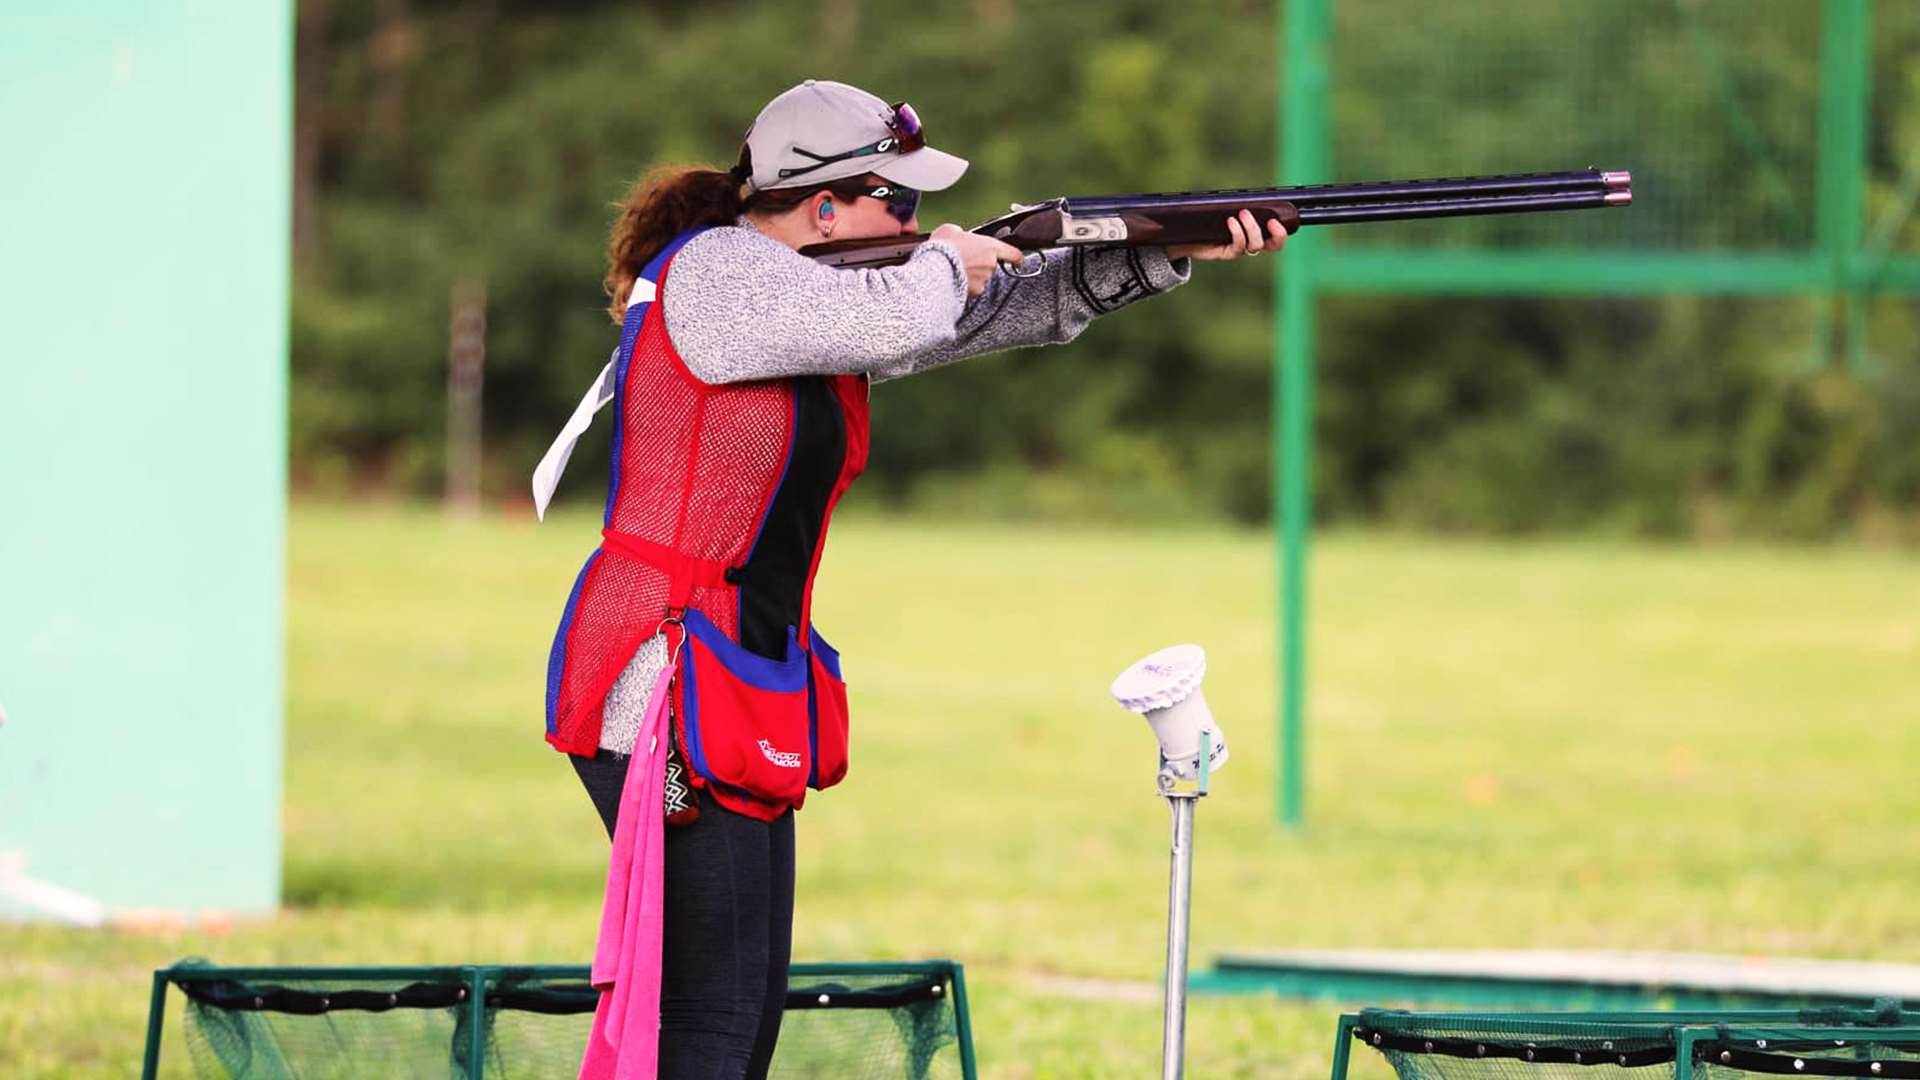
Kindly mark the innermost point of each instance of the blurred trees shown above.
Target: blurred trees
(440, 141)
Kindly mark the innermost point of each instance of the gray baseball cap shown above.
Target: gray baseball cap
(819, 119)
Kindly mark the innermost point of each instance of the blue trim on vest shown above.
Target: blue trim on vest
(829, 656)
(751, 668)
(830, 660)
(760, 672)
(557, 656)
(690, 709)
(813, 735)
(630, 333)
(793, 436)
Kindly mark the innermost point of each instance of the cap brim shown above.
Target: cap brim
(926, 169)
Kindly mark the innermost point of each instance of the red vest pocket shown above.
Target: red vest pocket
(827, 706)
(744, 716)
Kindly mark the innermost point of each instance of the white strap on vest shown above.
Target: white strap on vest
(546, 476)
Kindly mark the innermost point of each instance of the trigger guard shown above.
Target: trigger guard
(1013, 269)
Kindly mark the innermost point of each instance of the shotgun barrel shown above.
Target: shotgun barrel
(1341, 213)
(1374, 190)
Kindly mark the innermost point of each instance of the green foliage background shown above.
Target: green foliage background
(487, 141)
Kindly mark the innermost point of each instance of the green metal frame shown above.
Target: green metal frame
(1844, 266)
(479, 977)
(1257, 977)
(1688, 1028)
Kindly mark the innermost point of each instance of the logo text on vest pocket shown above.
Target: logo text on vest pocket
(779, 757)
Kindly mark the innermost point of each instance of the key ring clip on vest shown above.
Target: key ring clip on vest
(676, 616)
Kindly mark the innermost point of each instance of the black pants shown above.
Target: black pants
(728, 932)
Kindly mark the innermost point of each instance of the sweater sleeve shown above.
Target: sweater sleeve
(1074, 287)
(741, 306)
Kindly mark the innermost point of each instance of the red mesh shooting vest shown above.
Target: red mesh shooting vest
(718, 502)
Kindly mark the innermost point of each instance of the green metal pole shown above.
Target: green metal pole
(963, 1024)
(1846, 59)
(156, 1021)
(1303, 160)
(1342, 1046)
(1683, 1051)
(477, 1029)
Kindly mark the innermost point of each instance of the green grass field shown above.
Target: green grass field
(1566, 744)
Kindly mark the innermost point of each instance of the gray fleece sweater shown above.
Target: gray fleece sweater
(741, 305)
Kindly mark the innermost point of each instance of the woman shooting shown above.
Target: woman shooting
(687, 683)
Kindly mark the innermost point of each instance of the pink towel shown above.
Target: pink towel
(625, 1042)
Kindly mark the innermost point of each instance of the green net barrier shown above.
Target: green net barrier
(898, 1021)
(1876, 1044)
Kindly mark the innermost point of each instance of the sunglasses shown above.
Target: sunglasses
(902, 202)
(906, 137)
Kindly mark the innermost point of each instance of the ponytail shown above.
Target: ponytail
(674, 198)
(660, 206)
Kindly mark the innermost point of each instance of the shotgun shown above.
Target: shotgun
(1199, 217)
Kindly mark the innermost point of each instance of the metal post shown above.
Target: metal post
(1303, 160)
(1846, 87)
(1683, 1051)
(1179, 909)
(477, 1028)
(1342, 1046)
(963, 1023)
(156, 1019)
(1173, 1041)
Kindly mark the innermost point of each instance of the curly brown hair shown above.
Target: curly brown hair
(670, 199)
(661, 205)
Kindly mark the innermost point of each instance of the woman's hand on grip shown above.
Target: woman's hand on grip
(980, 255)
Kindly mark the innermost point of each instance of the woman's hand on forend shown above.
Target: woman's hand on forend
(980, 255)
(1246, 241)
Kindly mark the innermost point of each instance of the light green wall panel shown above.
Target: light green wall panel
(143, 315)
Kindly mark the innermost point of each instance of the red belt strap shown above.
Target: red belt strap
(684, 572)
